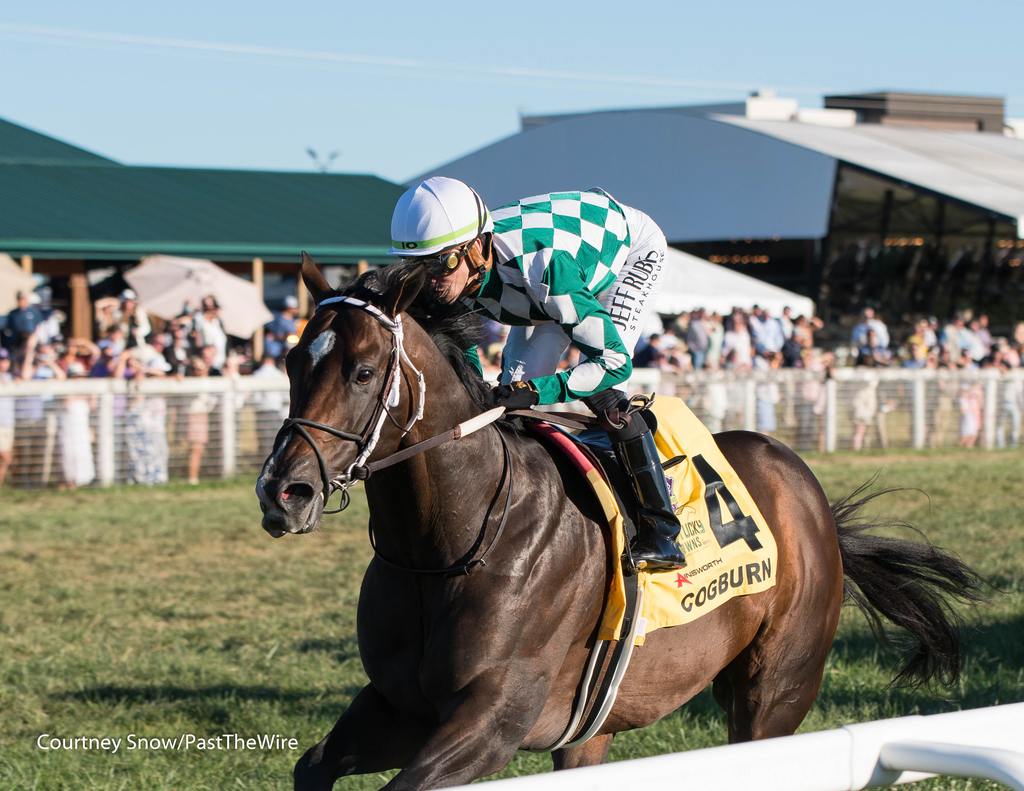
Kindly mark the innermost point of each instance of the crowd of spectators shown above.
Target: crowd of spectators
(194, 344)
(963, 342)
(741, 341)
(130, 347)
(755, 340)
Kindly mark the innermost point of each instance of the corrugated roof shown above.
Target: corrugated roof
(700, 179)
(724, 176)
(985, 170)
(78, 211)
(20, 145)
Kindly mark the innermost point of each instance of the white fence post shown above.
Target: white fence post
(919, 432)
(988, 437)
(227, 430)
(750, 405)
(105, 438)
(831, 416)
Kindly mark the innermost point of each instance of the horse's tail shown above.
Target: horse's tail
(911, 583)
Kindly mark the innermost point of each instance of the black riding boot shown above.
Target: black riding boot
(655, 547)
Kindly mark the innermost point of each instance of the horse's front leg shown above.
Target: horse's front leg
(478, 734)
(371, 736)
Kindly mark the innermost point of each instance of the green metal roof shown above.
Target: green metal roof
(126, 212)
(19, 144)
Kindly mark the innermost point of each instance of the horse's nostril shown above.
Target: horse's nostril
(296, 491)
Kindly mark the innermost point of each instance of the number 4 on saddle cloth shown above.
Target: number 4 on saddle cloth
(729, 549)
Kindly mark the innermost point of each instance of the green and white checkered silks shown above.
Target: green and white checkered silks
(553, 254)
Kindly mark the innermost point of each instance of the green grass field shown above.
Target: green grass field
(164, 611)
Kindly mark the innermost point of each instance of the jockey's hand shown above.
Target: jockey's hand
(518, 395)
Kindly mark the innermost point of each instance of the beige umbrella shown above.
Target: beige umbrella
(165, 285)
(12, 280)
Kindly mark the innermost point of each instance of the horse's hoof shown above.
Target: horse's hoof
(308, 775)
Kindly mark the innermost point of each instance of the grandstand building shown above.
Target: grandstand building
(911, 202)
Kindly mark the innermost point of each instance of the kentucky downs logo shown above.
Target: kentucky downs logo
(693, 532)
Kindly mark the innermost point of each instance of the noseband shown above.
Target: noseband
(390, 397)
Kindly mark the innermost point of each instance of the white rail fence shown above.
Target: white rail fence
(986, 743)
(104, 431)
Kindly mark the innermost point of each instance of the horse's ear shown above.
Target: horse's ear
(404, 291)
(314, 278)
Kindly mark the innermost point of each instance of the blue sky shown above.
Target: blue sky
(399, 87)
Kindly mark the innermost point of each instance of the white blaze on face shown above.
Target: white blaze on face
(319, 348)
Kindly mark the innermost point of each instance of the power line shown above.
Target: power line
(54, 35)
(58, 36)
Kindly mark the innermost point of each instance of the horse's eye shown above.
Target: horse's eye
(364, 375)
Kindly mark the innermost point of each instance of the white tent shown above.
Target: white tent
(166, 284)
(692, 282)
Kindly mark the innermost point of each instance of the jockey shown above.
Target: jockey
(561, 268)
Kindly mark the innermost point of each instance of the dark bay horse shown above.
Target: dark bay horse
(466, 669)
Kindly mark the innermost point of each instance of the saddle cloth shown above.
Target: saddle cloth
(729, 548)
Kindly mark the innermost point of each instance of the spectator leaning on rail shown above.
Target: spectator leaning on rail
(560, 267)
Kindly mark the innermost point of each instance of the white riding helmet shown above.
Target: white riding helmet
(435, 214)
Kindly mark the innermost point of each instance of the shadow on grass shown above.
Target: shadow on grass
(991, 650)
(992, 655)
(340, 649)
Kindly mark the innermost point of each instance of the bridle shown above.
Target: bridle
(388, 398)
(366, 441)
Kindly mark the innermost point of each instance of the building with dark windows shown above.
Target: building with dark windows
(908, 201)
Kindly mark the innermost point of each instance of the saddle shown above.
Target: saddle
(729, 547)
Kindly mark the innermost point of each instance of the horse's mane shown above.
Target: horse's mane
(452, 328)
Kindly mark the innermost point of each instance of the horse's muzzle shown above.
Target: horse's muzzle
(289, 507)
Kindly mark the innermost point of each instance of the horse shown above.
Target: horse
(484, 657)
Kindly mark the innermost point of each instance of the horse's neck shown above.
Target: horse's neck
(427, 511)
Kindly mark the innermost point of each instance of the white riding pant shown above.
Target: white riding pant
(536, 350)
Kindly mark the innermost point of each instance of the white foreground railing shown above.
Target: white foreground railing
(986, 743)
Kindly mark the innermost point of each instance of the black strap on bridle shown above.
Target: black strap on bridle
(362, 440)
(468, 561)
(300, 425)
(366, 440)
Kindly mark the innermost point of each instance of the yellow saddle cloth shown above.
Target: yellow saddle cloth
(729, 549)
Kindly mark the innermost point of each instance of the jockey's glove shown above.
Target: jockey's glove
(518, 395)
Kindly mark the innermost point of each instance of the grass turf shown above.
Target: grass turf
(158, 612)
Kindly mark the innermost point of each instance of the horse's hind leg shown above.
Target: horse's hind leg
(770, 686)
(371, 736)
(589, 753)
(768, 689)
